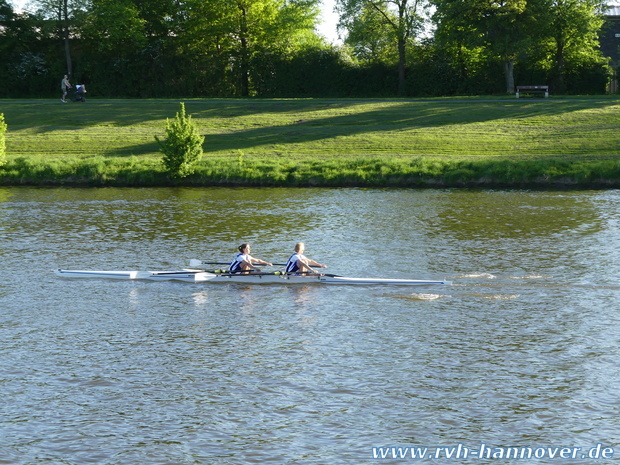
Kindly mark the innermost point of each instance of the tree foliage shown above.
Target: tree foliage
(501, 27)
(114, 26)
(403, 18)
(238, 31)
(370, 36)
(547, 32)
(569, 36)
(269, 48)
(64, 14)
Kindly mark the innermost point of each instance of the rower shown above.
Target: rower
(299, 263)
(244, 262)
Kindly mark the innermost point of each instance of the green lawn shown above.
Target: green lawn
(278, 140)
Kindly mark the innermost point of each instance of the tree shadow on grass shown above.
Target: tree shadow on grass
(146, 148)
(51, 116)
(406, 116)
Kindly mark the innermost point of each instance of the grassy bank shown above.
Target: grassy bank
(405, 143)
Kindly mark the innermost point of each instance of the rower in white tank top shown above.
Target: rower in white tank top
(244, 261)
(299, 263)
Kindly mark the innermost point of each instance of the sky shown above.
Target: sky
(327, 28)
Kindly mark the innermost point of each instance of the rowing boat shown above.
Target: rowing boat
(199, 276)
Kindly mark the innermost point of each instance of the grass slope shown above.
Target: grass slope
(450, 142)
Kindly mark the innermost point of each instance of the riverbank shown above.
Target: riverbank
(400, 143)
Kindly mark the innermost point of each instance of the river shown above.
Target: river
(522, 351)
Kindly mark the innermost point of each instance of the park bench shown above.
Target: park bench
(533, 90)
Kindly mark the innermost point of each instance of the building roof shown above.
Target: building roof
(613, 10)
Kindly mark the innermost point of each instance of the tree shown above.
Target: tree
(370, 37)
(502, 27)
(23, 53)
(506, 33)
(63, 12)
(570, 29)
(234, 33)
(114, 26)
(114, 35)
(402, 17)
(183, 146)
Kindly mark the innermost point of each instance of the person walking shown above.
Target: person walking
(65, 85)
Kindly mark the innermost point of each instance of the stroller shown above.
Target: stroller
(78, 93)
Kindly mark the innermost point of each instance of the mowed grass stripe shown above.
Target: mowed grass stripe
(406, 128)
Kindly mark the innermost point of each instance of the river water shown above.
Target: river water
(521, 351)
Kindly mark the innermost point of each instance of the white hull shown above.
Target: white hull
(188, 276)
(260, 278)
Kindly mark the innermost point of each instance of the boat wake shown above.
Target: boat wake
(501, 297)
(422, 297)
(477, 275)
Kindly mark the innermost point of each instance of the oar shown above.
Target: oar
(228, 273)
(242, 273)
(252, 273)
(196, 263)
(275, 273)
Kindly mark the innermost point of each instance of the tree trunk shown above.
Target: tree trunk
(68, 55)
(245, 58)
(402, 63)
(559, 60)
(65, 35)
(509, 65)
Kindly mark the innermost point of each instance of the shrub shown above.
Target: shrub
(3, 127)
(182, 147)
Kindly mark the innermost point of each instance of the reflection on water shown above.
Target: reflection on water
(521, 351)
(515, 214)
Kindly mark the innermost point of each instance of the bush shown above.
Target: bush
(3, 127)
(183, 146)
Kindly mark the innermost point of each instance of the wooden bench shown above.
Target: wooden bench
(533, 90)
